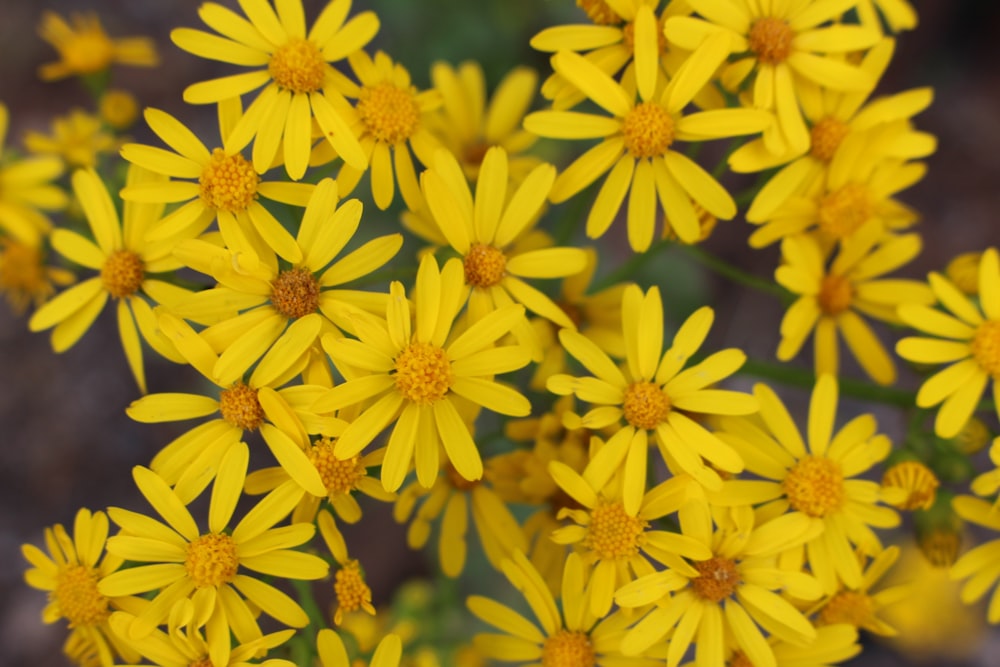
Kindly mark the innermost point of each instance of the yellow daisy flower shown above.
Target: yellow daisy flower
(349, 586)
(833, 295)
(419, 374)
(572, 636)
(295, 69)
(493, 233)
(971, 346)
(859, 606)
(333, 653)
(78, 138)
(71, 573)
(118, 108)
(638, 145)
(468, 125)
(178, 560)
(126, 262)
(84, 48)
(25, 278)
(26, 190)
(978, 567)
(816, 481)
(778, 49)
(730, 593)
(655, 393)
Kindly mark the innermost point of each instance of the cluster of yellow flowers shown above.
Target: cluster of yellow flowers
(646, 510)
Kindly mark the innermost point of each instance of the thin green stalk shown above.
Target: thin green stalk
(631, 267)
(806, 379)
(304, 646)
(729, 271)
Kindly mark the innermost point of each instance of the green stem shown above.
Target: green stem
(799, 377)
(631, 267)
(304, 648)
(739, 276)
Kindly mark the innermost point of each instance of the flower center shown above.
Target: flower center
(917, 479)
(211, 560)
(350, 588)
(340, 477)
(844, 210)
(391, 114)
(717, 578)
(298, 65)
(423, 373)
(648, 130)
(851, 607)
(568, 648)
(122, 273)
(599, 12)
(835, 294)
(645, 405)
(88, 51)
(826, 136)
(815, 485)
(612, 533)
(239, 407)
(739, 659)
(771, 40)
(204, 661)
(484, 265)
(228, 182)
(77, 596)
(295, 293)
(986, 347)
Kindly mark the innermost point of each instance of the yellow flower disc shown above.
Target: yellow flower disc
(739, 659)
(122, 273)
(484, 265)
(295, 293)
(228, 182)
(423, 373)
(771, 40)
(844, 210)
(568, 648)
(390, 114)
(203, 661)
(340, 476)
(77, 596)
(350, 588)
(815, 486)
(825, 138)
(717, 578)
(646, 405)
(87, 51)
(648, 130)
(211, 560)
(851, 607)
(298, 65)
(614, 534)
(239, 407)
(986, 347)
(835, 294)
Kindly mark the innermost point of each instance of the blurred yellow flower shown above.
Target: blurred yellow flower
(84, 48)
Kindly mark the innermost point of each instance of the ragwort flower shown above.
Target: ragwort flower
(84, 48)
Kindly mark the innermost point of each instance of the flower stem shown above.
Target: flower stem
(736, 275)
(799, 377)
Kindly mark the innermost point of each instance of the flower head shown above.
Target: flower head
(84, 48)
(79, 139)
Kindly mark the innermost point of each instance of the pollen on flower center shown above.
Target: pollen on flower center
(613, 533)
(851, 607)
(423, 373)
(568, 648)
(77, 596)
(350, 587)
(648, 130)
(228, 182)
(599, 12)
(646, 405)
(986, 347)
(825, 138)
(240, 407)
(835, 294)
(211, 560)
(844, 210)
(815, 485)
(391, 114)
(484, 265)
(122, 273)
(339, 476)
(295, 293)
(717, 578)
(298, 65)
(771, 40)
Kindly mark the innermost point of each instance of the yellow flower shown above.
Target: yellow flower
(295, 69)
(178, 560)
(127, 263)
(638, 145)
(858, 605)
(78, 139)
(816, 481)
(333, 653)
(833, 296)
(118, 108)
(84, 48)
(71, 573)
(971, 346)
(781, 50)
(349, 586)
(655, 393)
(420, 376)
(25, 278)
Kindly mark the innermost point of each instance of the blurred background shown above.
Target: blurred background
(68, 444)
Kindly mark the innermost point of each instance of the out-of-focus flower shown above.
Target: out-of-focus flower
(84, 48)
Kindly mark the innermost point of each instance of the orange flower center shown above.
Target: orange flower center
(122, 273)
(298, 65)
(88, 50)
(648, 130)
(599, 12)
(986, 347)
(852, 607)
(484, 265)
(717, 578)
(646, 405)
(917, 479)
(228, 182)
(826, 136)
(350, 588)
(568, 648)
(844, 210)
(211, 560)
(390, 114)
(240, 408)
(815, 485)
(295, 293)
(739, 659)
(204, 661)
(458, 482)
(835, 294)
(77, 596)
(771, 40)
(340, 476)
(614, 534)
(423, 373)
